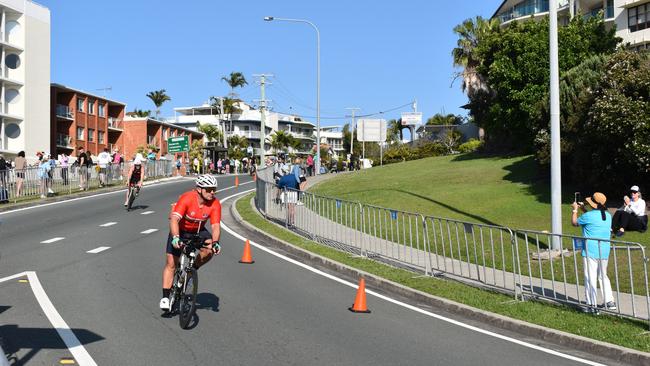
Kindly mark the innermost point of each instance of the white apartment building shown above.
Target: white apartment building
(631, 17)
(333, 137)
(246, 122)
(24, 78)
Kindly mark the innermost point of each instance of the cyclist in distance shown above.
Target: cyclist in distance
(188, 218)
(135, 176)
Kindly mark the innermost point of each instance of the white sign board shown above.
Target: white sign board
(411, 118)
(371, 130)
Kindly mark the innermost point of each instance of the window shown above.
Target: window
(91, 134)
(100, 136)
(91, 106)
(100, 110)
(638, 17)
(80, 133)
(80, 104)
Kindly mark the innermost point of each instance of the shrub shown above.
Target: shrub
(470, 146)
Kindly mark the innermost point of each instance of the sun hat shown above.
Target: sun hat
(634, 189)
(595, 199)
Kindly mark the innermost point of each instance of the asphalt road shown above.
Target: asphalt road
(269, 313)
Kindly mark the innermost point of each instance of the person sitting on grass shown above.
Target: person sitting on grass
(632, 215)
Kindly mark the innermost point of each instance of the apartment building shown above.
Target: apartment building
(145, 131)
(24, 77)
(333, 137)
(631, 17)
(245, 122)
(82, 119)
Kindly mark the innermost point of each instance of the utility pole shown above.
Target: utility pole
(353, 109)
(262, 102)
(225, 140)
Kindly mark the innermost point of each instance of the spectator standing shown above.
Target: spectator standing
(237, 166)
(151, 162)
(4, 170)
(64, 163)
(117, 164)
(197, 165)
(219, 166)
(178, 166)
(206, 164)
(50, 173)
(44, 169)
(104, 159)
(82, 160)
(596, 224)
(20, 166)
(632, 215)
(310, 165)
(289, 186)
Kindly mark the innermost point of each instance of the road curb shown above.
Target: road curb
(9, 207)
(584, 344)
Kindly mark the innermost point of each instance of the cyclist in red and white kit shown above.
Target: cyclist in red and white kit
(188, 218)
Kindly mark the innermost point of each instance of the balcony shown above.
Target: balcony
(528, 8)
(115, 124)
(247, 134)
(64, 111)
(64, 141)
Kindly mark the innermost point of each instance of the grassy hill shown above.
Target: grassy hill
(489, 190)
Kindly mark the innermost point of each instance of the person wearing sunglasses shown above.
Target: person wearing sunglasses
(189, 216)
(632, 215)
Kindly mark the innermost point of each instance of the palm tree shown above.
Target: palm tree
(442, 119)
(394, 130)
(230, 106)
(470, 33)
(158, 98)
(139, 113)
(234, 80)
(211, 132)
(237, 146)
(280, 139)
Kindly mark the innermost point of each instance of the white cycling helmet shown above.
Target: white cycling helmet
(206, 181)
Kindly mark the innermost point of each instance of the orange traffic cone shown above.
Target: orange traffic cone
(236, 181)
(359, 305)
(246, 257)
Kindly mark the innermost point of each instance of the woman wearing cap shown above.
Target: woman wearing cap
(135, 176)
(632, 215)
(595, 225)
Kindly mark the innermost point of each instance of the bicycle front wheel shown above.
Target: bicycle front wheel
(131, 198)
(187, 304)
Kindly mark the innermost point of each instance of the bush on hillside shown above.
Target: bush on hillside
(470, 146)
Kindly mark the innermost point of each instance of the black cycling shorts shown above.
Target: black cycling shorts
(204, 233)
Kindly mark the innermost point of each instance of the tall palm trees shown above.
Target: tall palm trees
(470, 33)
(158, 97)
(234, 80)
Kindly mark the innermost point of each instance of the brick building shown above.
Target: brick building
(80, 119)
(139, 131)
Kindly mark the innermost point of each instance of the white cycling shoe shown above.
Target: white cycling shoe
(164, 304)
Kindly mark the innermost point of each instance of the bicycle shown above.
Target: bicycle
(134, 190)
(186, 282)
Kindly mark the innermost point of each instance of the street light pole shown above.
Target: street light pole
(556, 177)
(268, 19)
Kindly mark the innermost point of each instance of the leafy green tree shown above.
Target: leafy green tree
(444, 119)
(212, 132)
(237, 146)
(515, 64)
(158, 97)
(139, 113)
(196, 150)
(394, 131)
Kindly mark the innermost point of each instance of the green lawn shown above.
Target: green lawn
(624, 332)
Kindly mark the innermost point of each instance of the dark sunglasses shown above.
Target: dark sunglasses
(210, 190)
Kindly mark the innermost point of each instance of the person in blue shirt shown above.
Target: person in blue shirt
(596, 224)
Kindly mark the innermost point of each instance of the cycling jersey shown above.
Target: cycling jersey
(136, 174)
(192, 217)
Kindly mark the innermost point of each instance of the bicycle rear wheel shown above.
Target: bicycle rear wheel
(187, 303)
(131, 198)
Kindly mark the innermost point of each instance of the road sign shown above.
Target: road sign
(178, 144)
(371, 130)
(411, 118)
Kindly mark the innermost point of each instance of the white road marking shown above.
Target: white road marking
(76, 348)
(48, 241)
(149, 231)
(402, 304)
(147, 212)
(97, 250)
(108, 224)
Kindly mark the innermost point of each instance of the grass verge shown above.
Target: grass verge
(623, 332)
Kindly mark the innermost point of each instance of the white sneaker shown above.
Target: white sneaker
(164, 304)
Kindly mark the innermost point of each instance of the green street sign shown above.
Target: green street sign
(178, 144)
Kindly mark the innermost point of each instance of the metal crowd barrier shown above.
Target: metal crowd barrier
(33, 182)
(516, 262)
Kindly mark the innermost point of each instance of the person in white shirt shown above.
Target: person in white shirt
(103, 160)
(632, 215)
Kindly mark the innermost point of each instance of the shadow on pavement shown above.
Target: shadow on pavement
(207, 301)
(32, 340)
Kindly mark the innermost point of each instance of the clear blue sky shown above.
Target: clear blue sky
(374, 55)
